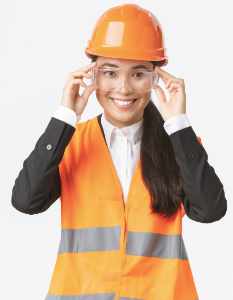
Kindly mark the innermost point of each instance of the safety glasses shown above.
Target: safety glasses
(109, 79)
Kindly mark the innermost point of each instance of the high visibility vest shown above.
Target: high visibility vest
(111, 249)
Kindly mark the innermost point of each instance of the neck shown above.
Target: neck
(121, 124)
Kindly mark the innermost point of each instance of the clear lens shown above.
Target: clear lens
(108, 79)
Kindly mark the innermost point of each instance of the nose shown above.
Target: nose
(124, 86)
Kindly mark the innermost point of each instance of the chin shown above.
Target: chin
(122, 119)
(123, 114)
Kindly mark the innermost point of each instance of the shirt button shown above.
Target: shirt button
(49, 147)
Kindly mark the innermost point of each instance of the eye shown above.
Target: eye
(109, 73)
(139, 74)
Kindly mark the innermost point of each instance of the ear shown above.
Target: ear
(199, 140)
(182, 209)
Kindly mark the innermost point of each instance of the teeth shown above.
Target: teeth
(123, 102)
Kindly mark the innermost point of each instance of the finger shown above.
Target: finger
(177, 82)
(75, 83)
(86, 93)
(174, 84)
(173, 90)
(84, 69)
(155, 78)
(160, 93)
(168, 84)
(81, 74)
(79, 81)
(90, 66)
(165, 76)
(88, 75)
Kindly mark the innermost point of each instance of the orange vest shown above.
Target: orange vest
(111, 249)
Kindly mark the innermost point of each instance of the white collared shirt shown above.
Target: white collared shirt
(124, 143)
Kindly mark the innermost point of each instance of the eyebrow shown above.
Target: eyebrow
(115, 66)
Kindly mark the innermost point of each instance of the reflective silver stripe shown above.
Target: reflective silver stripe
(99, 296)
(108, 238)
(90, 239)
(155, 244)
(127, 298)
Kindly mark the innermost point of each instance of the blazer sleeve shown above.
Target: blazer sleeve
(203, 193)
(38, 183)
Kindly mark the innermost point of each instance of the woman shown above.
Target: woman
(126, 177)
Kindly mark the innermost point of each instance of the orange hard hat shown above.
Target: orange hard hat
(128, 31)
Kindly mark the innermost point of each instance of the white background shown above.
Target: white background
(41, 42)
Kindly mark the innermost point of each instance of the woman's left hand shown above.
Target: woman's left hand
(177, 97)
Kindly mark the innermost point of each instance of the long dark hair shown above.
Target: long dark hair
(160, 171)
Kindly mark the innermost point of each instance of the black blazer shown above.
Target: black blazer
(38, 183)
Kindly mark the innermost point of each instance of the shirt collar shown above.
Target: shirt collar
(133, 132)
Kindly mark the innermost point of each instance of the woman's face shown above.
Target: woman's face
(124, 90)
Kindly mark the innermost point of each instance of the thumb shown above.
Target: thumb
(160, 93)
(88, 90)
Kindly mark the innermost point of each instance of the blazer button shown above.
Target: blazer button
(49, 147)
(191, 155)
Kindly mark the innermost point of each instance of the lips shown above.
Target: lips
(123, 103)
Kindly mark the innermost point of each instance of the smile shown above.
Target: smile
(123, 103)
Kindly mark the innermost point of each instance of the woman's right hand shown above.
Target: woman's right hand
(71, 97)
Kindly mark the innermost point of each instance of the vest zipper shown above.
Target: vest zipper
(123, 252)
